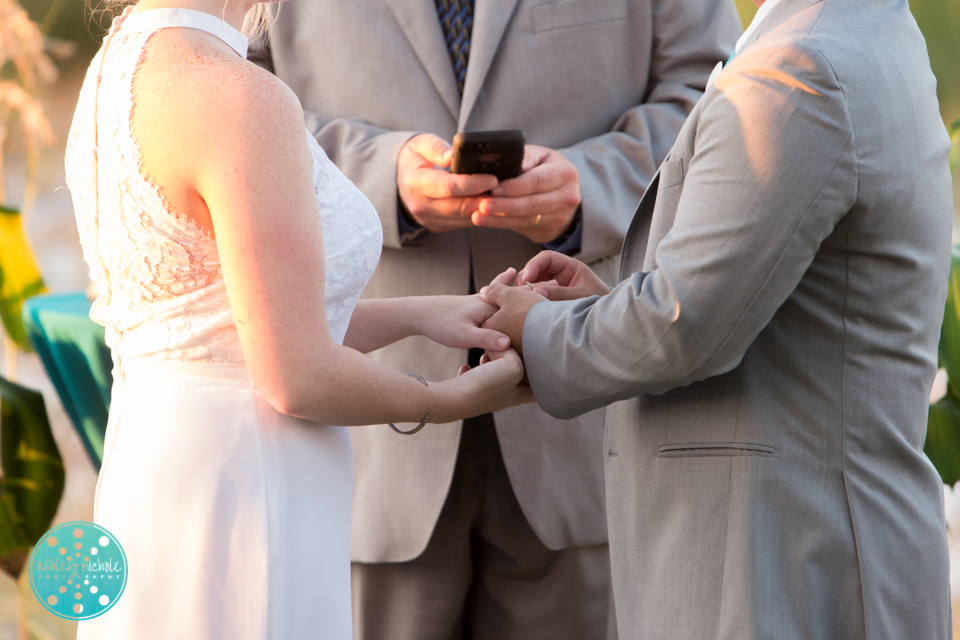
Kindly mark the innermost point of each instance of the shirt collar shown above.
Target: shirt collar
(758, 19)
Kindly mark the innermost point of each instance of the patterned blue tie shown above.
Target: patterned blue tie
(456, 20)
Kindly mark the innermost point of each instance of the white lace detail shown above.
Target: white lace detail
(162, 293)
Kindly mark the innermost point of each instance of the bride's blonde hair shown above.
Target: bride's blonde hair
(256, 22)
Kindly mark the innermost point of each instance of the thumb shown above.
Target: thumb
(550, 265)
(533, 156)
(494, 294)
(488, 340)
(535, 266)
(506, 277)
(433, 149)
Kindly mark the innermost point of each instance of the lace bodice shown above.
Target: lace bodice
(162, 293)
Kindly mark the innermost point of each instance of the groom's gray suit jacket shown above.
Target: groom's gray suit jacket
(772, 345)
(609, 83)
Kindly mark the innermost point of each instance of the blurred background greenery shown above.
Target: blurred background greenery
(71, 20)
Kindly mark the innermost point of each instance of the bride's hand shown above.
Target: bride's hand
(454, 321)
(493, 386)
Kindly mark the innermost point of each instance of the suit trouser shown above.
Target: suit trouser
(485, 574)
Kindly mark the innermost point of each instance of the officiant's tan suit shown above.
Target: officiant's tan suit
(609, 83)
(773, 345)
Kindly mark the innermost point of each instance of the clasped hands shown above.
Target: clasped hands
(494, 320)
(539, 204)
(511, 295)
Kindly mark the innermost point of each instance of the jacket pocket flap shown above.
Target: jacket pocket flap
(671, 173)
(713, 449)
(556, 15)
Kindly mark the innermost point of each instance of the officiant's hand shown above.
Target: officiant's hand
(540, 203)
(437, 199)
(559, 277)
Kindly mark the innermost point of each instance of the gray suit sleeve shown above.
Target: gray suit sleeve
(689, 38)
(774, 170)
(364, 153)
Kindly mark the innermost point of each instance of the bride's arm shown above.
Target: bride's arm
(253, 169)
(453, 321)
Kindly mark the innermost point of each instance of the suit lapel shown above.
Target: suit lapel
(419, 23)
(635, 242)
(491, 18)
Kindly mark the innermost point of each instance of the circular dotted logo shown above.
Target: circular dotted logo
(78, 570)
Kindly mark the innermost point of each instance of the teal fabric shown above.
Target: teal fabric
(77, 359)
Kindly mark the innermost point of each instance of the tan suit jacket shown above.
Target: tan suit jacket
(607, 82)
(772, 346)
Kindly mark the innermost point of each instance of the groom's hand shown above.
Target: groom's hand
(437, 199)
(559, 277)
(514, 304)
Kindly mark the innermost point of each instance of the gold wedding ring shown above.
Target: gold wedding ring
(537, 221)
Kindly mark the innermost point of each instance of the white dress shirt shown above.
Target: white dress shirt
(758, 19)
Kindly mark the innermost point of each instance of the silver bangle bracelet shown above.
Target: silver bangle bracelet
(422, 422)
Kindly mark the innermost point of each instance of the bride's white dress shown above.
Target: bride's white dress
(235, 518)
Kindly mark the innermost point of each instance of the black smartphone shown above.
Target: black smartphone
(499, 153)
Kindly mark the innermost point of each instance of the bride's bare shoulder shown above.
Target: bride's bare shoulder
(190, 80)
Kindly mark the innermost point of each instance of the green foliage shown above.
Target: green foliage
(19, 275)
(33, 474)
(747, 10)
(943, 425)
(73, 20)
(955, 149)
(939, 21)
(943, 439)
